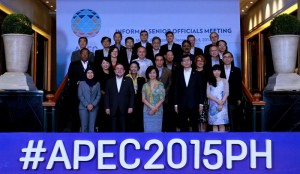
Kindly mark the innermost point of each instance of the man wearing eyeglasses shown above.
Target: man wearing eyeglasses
(234, 78)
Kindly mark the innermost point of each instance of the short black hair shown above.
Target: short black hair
(159, 55)
(185, 56)
(143, 31)
(155, 37)
(169, 32)
(190, 35)
(135, 62)
(118, 32)
(84, 49)
(186, 41)
(104, 38)
(149, 69)
(85, 38)
(129, 38)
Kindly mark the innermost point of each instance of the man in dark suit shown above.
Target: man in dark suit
(130, 55)
(118, 39)
(194, 50)
(156, 41)
(119, 99)
(188, 96)
(176, 48)
(233, 75)
(82, 42)
(100, 54)
(76, 73)
(165, 77)
(214, 37)
(213, 58)
(143, 43)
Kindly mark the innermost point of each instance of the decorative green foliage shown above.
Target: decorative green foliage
(17, 24)
(285, 24)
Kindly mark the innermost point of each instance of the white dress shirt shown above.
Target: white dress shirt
(155, 52)
(214, 61)
(170, 46)
(105, 53)
(187, 74)
(119, 83)
(192, 51)
(144, 44)
(129, 54)
(84, 64)
(227, 71)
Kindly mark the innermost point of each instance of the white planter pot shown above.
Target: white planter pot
(17, 51)
(284, 52)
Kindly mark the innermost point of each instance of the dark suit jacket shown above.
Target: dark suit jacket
(190, 96)
(76, 56)
(76, 72)
(122, 100)
(99, 55)
(235, 84)
(206, 50)
(176, 48)
(150, 55)
(208, 64)
(125, 60)
(139, 44)
(198, 51)
(166, 79)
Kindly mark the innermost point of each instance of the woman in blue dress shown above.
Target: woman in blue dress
(217, 92)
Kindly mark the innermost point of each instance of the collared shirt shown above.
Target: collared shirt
(227, 71)
(160, 70)
(221, 55)
(144, 44)
(192, 51)
(144, 64)
(214, 61)
(187, 75)
(119, 83)
(84, 64)
(129, 54)
(155, 52)
(169, 66)
(170, 46)
(105, 53)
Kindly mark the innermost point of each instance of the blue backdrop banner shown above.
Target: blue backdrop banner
(156, 153)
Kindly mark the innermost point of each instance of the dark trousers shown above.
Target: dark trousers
(118, 122)
(188, 117)
(169, 118)
(235, 118)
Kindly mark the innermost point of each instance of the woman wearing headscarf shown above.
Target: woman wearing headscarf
(89, 95)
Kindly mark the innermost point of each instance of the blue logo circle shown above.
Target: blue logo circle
(86, 23)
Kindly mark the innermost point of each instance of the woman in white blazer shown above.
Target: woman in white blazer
(89, 95)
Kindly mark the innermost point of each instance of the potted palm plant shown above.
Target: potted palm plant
(285, 31)
(17, 37)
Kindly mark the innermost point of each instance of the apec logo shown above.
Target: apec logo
(86, 23)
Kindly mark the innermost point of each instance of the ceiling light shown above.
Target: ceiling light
(47, 2)
(251, 2)
(243, 11)
(51, 6)
(247, 6)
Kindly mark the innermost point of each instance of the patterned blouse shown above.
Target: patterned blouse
(153, 96)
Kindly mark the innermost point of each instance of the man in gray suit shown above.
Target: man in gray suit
(119, 99)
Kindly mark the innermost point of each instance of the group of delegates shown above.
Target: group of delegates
(149, 87)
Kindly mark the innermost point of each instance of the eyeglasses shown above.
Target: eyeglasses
(227, 57)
